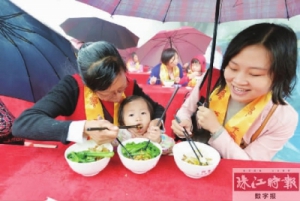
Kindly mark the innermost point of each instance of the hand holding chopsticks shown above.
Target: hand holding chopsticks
(138, 126)
(192, 144)
(163, 114)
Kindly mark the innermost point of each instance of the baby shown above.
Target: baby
(197, 69)
(137, 110)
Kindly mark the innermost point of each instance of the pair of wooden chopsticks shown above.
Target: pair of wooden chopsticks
(139, 126)
(192, 144)
(163, 114)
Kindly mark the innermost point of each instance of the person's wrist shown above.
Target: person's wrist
(216, 130)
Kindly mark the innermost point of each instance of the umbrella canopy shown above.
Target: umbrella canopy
(92, 29)
(199, 11)
(126, 54)
(33, 57)
(188, 42)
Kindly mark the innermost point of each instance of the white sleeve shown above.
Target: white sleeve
(75, 133)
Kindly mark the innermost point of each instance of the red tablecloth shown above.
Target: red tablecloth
(162, 95)
(141, 78)
(28, 173)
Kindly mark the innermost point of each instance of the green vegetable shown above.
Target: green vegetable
(88, 156)
(138, 152)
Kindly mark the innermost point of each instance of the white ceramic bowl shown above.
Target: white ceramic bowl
(91, 168)
(138, 166)
(195, 171)
(169, 83)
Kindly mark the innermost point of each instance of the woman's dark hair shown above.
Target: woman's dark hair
(167, 54)
(128, 100)
(281, 42)
(99, 63)
(133, 54)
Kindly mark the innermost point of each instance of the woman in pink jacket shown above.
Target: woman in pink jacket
(256, 75)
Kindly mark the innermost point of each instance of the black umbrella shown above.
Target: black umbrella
(33, 57)
(91, 29)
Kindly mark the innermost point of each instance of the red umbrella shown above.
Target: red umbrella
(187, 41)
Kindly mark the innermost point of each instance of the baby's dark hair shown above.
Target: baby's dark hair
(195, 61)
(128, 100)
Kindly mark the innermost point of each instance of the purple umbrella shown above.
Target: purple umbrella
(199, 11)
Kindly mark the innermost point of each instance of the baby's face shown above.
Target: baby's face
(196, 67)
(136, 112)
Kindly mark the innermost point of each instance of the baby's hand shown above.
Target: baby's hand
(177, 80)
(154, 134)
(153, 80)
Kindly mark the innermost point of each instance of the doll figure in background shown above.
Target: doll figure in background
(137, 110)
(196, 69)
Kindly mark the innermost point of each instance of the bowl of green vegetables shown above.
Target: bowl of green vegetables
(139, 155)
(88, 158)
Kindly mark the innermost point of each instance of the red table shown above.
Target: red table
(29, 173)
(141, 78)
(162, 95)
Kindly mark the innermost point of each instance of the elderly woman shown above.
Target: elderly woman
(168, 69)
(88, 99)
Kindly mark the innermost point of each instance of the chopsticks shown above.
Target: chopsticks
(192, 143)
(163, 114)
(129, 154)
(168, 105)
(139, 126)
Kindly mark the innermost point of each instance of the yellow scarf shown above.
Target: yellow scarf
(93, 106)
(137, 65)
(164, 73)
(240, 123)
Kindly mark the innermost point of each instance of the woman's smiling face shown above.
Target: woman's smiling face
(248, 74)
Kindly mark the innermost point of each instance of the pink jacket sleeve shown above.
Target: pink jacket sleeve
(190, 104)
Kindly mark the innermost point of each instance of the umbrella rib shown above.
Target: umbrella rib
(26, 72)
(5, 17)
(55, 46)
(116, 8)
(287, 10)
(8, 30)
(164, 20)
(156, 45)
(46, 57)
